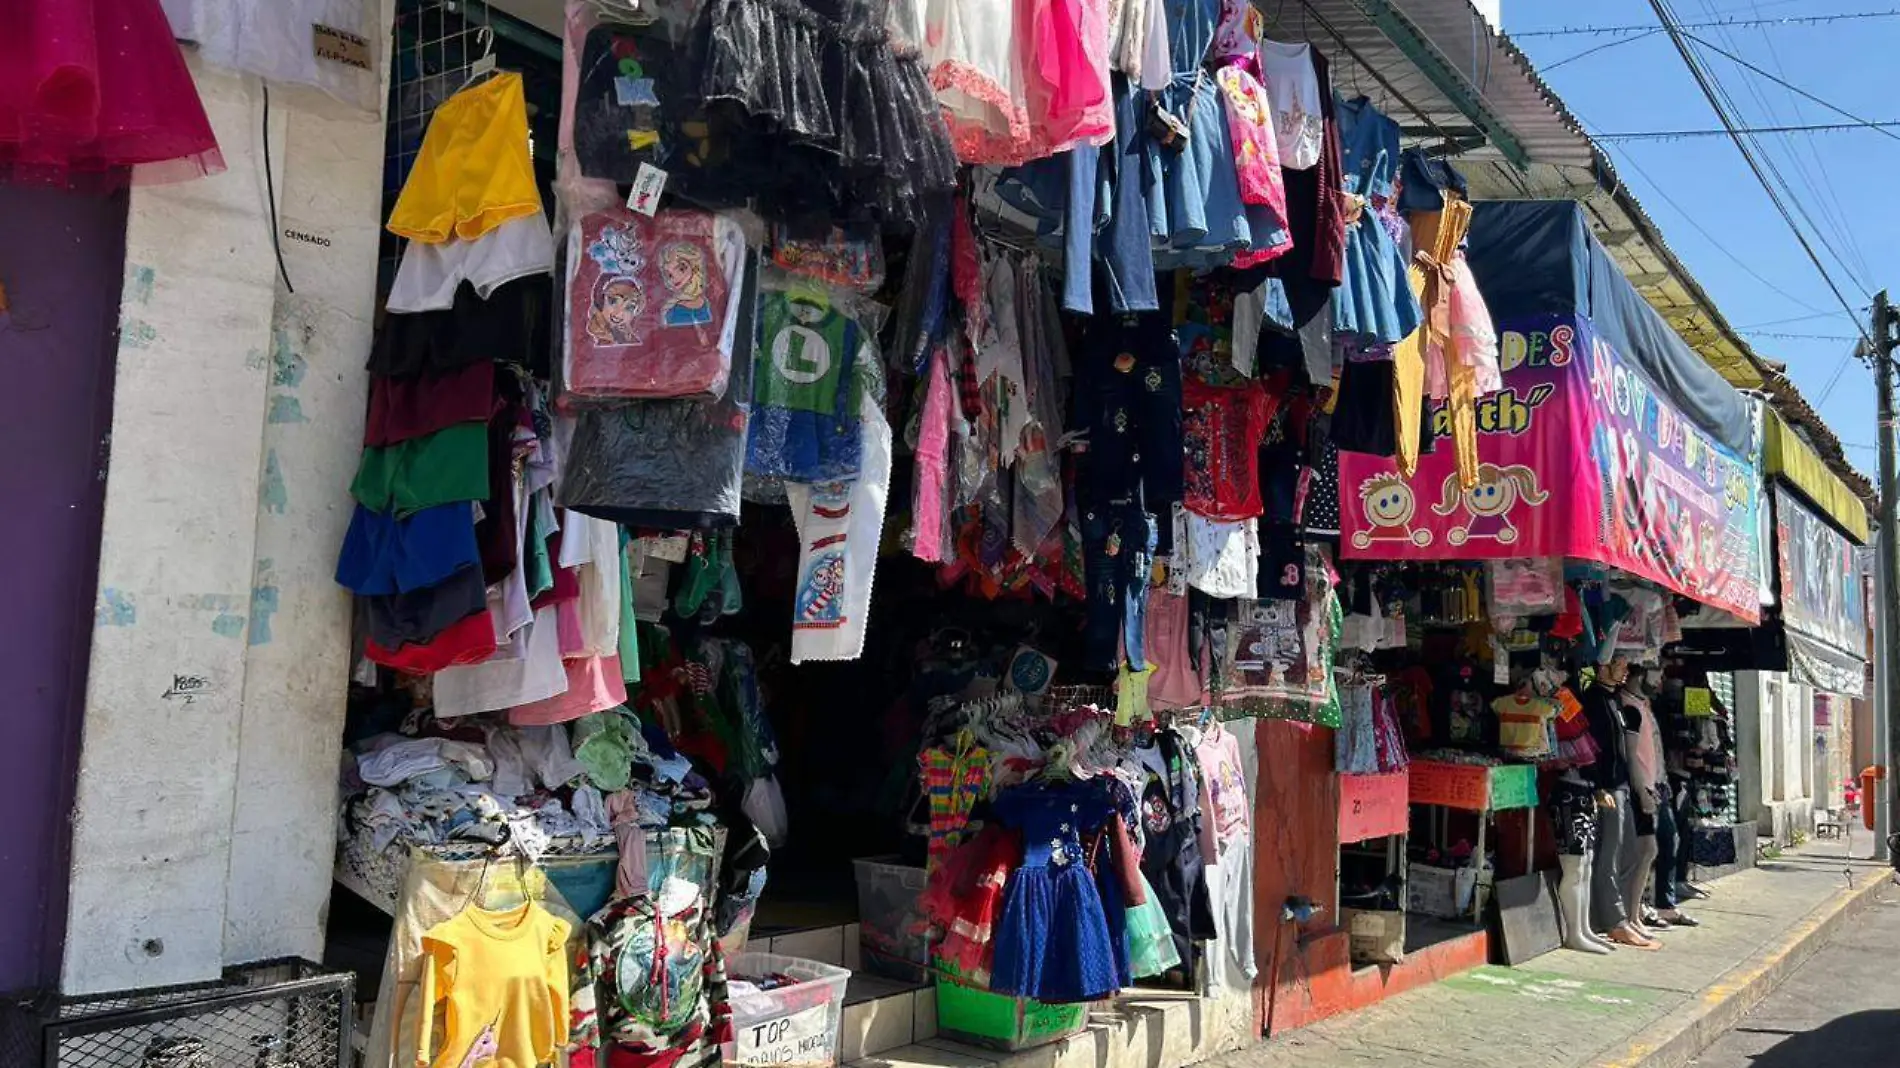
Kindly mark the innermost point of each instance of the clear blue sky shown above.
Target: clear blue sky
(1843, 179)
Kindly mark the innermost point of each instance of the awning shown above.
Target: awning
(1823, 597)
(1786, 455)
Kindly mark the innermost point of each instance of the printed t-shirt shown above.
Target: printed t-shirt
(1219, 754)
(435, 469)
(502, 977)
(383, 554)
(404, 408)
(649, 304)
(1222, 428)
(808, 377)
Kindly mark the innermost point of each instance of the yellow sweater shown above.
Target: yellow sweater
(502, 980)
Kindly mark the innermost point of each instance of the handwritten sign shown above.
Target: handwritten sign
(804, 1037)
(1513, 786)
(1372, 806)
(1463, 786)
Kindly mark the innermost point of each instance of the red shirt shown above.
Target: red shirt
(469, 642)
(1222, 429)
(405, 408)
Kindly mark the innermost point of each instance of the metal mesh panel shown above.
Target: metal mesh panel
(277, 1014)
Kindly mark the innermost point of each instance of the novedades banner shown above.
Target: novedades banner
(1581, 456)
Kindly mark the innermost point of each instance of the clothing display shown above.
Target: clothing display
(97, 93)
(1033, 331)
(502, 981)
(473, 173)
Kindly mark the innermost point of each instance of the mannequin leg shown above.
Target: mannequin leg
(1588, 873)
(1606, 897)
(1573, 904)
(1643, 862)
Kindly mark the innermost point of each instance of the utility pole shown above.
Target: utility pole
(1888, 635)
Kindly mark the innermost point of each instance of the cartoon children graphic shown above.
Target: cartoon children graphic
(683, 270)
(1389, 506)
(613, 318)
(1488, 504)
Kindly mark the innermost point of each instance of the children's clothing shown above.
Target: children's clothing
(473, 172)
(501, 978)
(1054, 943)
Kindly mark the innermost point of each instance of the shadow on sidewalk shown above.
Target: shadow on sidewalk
(1863, 1038)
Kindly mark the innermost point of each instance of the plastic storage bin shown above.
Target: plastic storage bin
(792, 1026)
(893, 932)
(998, 1021)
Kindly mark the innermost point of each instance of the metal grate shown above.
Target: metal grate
(274, 1014)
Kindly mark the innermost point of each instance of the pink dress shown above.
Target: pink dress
(1066, 76)
(94, 91)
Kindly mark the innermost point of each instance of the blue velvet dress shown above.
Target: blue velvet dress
(1054, 942)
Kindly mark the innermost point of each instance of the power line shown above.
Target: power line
(1715, 242)
(1799, 151)
(1704, 81)
(1588, 52)
(1643, 31)
(1762, 160)
(1796, 337)
(1792, 319)
(1790, 86)
(1882, 125)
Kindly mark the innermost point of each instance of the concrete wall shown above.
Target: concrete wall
(204, 824)
(60, 260)
(1774, 733)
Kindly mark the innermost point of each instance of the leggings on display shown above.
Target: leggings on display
(1616, 837)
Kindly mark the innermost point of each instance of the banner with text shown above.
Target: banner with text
(1582, 456)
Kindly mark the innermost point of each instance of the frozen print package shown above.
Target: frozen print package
(649, 308)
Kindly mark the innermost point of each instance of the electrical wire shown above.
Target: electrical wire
(1644, 31)
(1882, 125)
(270, 190)
(1705, 82)
(1747, 268)
(1795, 337)
(1588, 52)
(1827, 201)
(1872, 124)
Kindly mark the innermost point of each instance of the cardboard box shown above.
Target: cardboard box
(1374, 936)
(1442, 892)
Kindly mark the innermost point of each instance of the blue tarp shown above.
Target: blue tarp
(1534, 257)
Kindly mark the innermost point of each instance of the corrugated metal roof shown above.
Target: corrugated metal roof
(1439, 68)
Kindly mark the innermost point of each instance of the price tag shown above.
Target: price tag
(1500, 662)
(800, 1038)
(648, 183)
(1697, 702)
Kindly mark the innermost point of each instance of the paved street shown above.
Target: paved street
(1632, 1010)
(1842, 1007)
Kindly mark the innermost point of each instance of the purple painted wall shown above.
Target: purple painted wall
(62, 263)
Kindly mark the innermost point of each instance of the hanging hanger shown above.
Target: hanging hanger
(483, 64)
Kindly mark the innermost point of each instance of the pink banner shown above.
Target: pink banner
(1580, 456)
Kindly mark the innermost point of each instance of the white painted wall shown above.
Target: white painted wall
(204, 824)
(1774, 731)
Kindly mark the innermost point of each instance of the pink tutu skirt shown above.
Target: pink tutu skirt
(96, 93)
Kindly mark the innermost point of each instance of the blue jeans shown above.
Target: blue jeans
(1118, 549)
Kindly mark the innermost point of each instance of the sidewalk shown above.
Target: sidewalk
(1627, 1010)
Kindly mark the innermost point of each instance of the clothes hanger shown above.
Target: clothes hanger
(483, 64)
